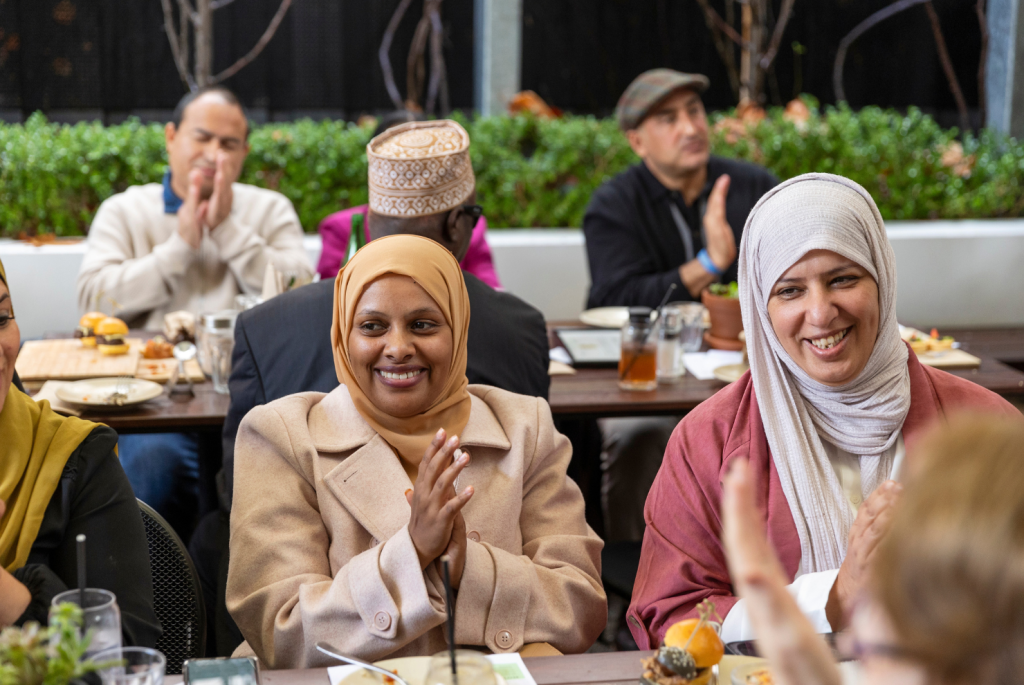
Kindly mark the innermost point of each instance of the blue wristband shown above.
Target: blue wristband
(705, 260)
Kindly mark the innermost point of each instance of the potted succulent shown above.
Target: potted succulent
(33, 655)
(723, 305)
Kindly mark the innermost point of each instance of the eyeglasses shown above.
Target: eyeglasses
(475, 211)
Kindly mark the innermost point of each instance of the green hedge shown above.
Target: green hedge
(529, 172)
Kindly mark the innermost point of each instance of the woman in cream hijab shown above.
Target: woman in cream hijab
(59, 477)
(344, 503)
(831, 404)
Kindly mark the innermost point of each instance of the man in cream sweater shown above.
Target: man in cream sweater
(200, 239)
(193, 243)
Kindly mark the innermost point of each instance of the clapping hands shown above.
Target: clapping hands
(436, 525)
(196, 212)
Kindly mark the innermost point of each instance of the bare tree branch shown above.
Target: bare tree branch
(415, 66)
(258, 48)
(947, 66)
(983, 24)
(858, 30)
(188, 10)
(175, 47)
(715, 18)
(722, 45)
(780, 27)
(217, 4)
(385, 48)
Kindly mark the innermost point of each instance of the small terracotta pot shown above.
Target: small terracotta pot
(726, 320)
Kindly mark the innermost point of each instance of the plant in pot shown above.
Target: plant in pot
(723, 305)
(33, 655)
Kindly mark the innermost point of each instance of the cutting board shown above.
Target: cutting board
(161, 370)
(66, 360)
(949, 359)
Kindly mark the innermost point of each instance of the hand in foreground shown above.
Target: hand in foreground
(721, 241)
(192, 213)
(14, 597)
(873, 521)
(435, 504)
(785, 637)
(220, 201)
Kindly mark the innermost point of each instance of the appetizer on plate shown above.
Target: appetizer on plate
(692, 648)
(86, 325)
(110, 333)
(158, 348)
(922, 343)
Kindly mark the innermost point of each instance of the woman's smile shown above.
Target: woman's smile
(400, 376)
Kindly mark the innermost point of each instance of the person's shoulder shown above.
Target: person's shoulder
(288, 413)
(289, 304)
(623, 186)
(148, 195)
(512, 411)
(722, 422)
(479, 291)
(740, 170)
(259, 198)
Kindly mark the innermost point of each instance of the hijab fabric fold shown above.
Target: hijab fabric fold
(35, 444)
(435, 270)
(863, 417)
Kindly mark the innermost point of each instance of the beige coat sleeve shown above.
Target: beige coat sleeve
(247, 251)
(138, 284)
(552, 592)
(281, 590)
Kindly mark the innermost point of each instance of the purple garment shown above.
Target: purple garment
(336, 229)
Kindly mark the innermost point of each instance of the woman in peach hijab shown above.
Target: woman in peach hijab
(344, 503)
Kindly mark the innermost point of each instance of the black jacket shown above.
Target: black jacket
(94, 497)
(633, 243)
(284, 346)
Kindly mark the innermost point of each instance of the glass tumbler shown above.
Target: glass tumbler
(670, 351)
(139, 666)
(220, 341)
(472, 668)
(691, 315)
(101, 615)
(638, 361)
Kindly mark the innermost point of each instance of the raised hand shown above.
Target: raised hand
(435, 504)
(721, 241)
(192, 211)
(874, 518)
(784, 635)
(220, 201)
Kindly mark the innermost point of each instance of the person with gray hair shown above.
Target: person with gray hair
(824, 416)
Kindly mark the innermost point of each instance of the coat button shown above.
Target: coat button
(504, 639)
(382, 620)
(473, 535)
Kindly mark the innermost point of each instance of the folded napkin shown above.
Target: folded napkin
(49, 392)
(703, 364)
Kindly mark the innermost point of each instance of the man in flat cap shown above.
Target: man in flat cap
(421, 182)
(674, 218)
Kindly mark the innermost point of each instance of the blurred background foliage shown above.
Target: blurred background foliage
(530, 172)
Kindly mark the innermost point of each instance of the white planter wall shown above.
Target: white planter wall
(951, 273)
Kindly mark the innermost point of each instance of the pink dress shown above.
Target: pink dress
(683, 561)
(336, 229)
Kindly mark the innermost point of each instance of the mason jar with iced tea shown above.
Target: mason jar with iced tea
(638, 363)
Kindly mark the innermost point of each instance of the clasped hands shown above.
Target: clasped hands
(436, 525)
(195, 212)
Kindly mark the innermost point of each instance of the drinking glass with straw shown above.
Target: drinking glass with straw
(457, 666)
(100, 614)
(638, 361)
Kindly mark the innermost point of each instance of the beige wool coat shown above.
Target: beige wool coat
(320, 544)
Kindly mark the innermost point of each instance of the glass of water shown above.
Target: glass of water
(100, 614)
(220, 342)
(138, 666)
(691, 314)
(473, 668)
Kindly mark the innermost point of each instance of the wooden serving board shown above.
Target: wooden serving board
(161, 370)
(42, 360)
(949, 359)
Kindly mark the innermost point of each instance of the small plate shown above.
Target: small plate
(730, 372)
(606, 317)
(95, 392)
(412, 669)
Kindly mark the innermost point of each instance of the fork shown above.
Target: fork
(120, 394)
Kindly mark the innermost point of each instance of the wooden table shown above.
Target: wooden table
(590, 393)
(609, 668)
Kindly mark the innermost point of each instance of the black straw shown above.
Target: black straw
(80, 539)
(450, 606)
(664, 301)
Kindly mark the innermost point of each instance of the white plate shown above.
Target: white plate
(730, 372)
(606, 317)
(412, 669)
(95, 392)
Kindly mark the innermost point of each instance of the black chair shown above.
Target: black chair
(177, 595)
(619, 563)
